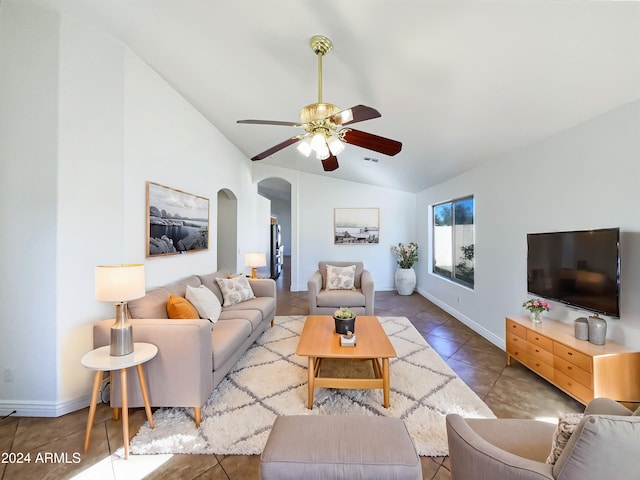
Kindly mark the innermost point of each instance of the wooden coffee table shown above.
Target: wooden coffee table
(319, 340)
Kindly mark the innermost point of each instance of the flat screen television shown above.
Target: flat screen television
(579, 268)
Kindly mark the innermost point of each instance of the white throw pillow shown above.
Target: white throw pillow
(567, 424)
(341, 278)
(235, 290)
(205, 301)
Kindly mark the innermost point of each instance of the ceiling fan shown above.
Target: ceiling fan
(324, 124)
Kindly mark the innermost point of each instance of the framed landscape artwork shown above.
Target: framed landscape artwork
(177, 221)
(356, 226)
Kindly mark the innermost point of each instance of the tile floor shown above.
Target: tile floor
(509, 391)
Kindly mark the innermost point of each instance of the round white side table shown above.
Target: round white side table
(100, 360)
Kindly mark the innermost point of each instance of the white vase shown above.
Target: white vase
(405, 280)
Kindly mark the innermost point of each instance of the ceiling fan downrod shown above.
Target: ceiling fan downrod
(321, 45)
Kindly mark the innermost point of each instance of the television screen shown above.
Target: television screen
(580, 268)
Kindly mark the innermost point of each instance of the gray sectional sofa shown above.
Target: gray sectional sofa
(193, 355)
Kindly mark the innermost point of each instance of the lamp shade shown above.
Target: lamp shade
(255, 259)
(119, 283)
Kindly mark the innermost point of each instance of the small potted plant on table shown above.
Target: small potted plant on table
(345, 319)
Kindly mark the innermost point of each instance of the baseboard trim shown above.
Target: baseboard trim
(28, 408)
(476, 327)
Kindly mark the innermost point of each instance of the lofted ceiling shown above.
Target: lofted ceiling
(457, 82)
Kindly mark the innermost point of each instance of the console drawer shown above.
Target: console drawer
(517, 352)
(573, 371)
(514, 328)
(540, 367)
(573, 356)
(535, 351)
(544, 342)
(573, 387)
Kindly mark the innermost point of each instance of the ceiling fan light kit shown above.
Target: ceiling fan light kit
(324, 125)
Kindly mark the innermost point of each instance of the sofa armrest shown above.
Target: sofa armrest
(314, 285)
(471, 456)
(180, 375)
(263, 287)
(368, 290)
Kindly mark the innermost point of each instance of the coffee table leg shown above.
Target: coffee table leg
(385, 381)
(97, 380)
(310, 382)
(125, 411)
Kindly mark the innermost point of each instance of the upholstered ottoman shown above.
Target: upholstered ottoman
(317, 447)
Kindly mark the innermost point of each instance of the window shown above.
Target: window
(453, 240)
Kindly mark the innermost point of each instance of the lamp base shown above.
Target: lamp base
(121, 333)
(254, 272)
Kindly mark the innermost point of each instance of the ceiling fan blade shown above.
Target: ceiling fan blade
(359, 113)
(330, 164)
(372, 142)
(270, 122)
(276, 148)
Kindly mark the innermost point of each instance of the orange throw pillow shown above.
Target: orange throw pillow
(181, 309)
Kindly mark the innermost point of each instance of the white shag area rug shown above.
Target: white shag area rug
(271, 380)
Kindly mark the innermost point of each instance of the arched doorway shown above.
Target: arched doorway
(227, 228)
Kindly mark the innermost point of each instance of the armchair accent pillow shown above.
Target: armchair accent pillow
(205, 301)
(341, 278)
(235, 290)
(179, 308)
(567, 424)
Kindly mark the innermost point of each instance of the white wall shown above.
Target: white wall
(90, 123)
(28, 210)
(585, 178)
(314, 198)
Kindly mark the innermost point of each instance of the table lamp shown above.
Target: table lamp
(119, 284)
(255, 260)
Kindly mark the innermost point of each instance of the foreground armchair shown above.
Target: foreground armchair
(326, 296)
(604, 446)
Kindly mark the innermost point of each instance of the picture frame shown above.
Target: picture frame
(356, 226)
(177, 221)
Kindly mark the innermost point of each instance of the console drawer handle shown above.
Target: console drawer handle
(569, 353)
(569, 368)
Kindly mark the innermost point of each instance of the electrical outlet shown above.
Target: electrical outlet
(8, 375)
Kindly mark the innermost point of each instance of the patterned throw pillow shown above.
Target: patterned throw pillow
(341, 278)
(179, 308)
(205, 301)
(567, 424)
(235, 290)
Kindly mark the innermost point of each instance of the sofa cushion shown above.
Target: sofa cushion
(152, 305)
(179, 288)
(264, 305)
(205, 301)
(180, 308)
(209, 281)
(341, 278)
(254, 317)
(345, 298)
(226, 338)
(235, 290)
